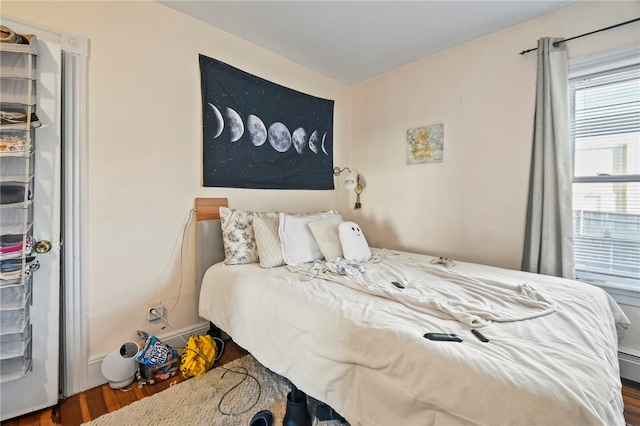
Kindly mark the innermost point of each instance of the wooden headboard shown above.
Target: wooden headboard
(209, 246)
(209, 208)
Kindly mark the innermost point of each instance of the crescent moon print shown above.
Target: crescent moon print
(236, 126)
(324, 139)
(279, 137)
(314, 141)
(219, 121)
(299, 139)
(257, 130)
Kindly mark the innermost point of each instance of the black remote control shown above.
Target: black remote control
(443, 337)
(397, 284)
(479, 335)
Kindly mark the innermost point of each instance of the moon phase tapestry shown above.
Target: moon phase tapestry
(258, 134)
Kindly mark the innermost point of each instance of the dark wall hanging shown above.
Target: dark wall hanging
(258, 134)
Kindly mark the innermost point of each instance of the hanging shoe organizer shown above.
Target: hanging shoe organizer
(18, 262)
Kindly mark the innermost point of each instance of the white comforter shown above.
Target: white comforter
(357, 344)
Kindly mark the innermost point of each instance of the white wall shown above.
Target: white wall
(145, 152)
(472, 206)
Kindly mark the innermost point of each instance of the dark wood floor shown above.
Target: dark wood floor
(631, 397)
(95, 402)
(100, 400)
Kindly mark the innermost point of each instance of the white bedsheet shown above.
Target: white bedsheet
(365, 355)
(439, 291)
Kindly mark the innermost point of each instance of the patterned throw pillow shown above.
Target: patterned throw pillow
(238, 235)
(268, 241)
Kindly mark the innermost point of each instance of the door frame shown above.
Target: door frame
(75, 318)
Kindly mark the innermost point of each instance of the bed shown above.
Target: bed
(356, 342)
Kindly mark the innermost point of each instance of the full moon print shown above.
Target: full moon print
(279, 137)
(242, 112)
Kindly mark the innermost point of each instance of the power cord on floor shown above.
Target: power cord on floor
(245, 375)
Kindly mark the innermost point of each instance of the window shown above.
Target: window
(604, 103)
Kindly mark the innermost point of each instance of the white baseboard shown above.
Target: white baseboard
(629, 366)
(174, 339)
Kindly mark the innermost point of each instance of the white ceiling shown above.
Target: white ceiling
(352, 41)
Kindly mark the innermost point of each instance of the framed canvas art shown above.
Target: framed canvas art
(425, 144)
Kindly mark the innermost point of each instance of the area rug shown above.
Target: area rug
(224, 396)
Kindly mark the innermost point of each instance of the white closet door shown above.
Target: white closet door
(40, 387)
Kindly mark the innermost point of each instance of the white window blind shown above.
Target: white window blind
(605, 131)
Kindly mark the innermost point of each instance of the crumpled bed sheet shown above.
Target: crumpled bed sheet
(436, 290)
(364, 354)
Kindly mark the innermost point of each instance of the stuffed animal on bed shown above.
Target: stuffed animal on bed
(354, 244)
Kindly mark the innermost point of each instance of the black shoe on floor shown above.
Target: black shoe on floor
(262, 418)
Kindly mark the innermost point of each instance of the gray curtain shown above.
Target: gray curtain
(548, 242)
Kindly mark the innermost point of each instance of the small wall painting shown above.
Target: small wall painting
(425, 144)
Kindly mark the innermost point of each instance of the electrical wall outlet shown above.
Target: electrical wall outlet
(155, 311)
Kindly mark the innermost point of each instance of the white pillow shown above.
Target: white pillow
(354, 244)
(297, 242)
(268, 241)
(325, 233)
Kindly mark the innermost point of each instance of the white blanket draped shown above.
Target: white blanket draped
(436, 290)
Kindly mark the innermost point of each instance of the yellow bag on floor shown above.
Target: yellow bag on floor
(198, 356)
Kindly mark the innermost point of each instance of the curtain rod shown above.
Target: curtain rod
(524, 52)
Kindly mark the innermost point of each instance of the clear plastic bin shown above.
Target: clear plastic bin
(153, 374)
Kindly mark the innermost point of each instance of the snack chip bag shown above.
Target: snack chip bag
(155, 353)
